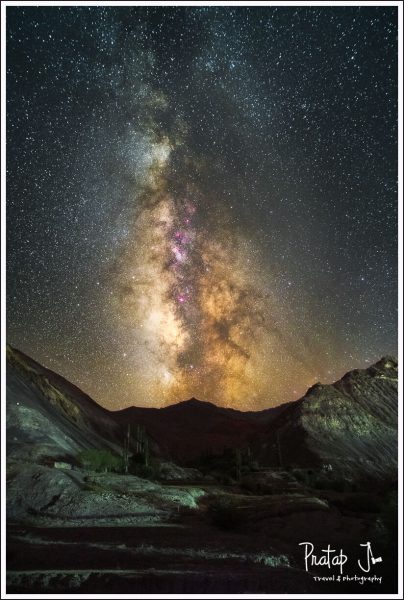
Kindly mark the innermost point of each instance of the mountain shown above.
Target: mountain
(349, 427)
(189, 429)
(49, 417)
(79, 526)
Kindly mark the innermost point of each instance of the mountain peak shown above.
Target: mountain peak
(192, 403)
(386, 362)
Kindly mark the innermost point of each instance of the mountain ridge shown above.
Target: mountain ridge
(350, 425)
(349, 422)
(193, 401)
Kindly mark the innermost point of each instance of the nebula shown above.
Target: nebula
(185, 284)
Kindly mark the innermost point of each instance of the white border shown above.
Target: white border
(222, 3)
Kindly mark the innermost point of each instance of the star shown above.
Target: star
(209, 193)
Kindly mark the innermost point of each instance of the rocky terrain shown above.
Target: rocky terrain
(50, 418)
(216, 501)
(349, 427)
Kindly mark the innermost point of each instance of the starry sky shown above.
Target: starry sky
(202, 201)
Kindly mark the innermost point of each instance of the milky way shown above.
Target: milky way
(202, 201)
(184, 286)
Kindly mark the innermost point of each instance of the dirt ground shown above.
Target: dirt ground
(190, 554)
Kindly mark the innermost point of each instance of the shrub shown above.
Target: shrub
(332, 483)
(224, 514)
(366, 503)
(320, 480)
(228, 466)
(100, 460)
(389, 515)
(301, 476)
(149, 471)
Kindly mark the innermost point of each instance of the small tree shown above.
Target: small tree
(126, 444)
(278, 447)
(238, 464)
(142, 446)
(141, 456)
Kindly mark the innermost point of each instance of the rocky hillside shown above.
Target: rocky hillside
(233, 524)
(349, 427)
(48, 417)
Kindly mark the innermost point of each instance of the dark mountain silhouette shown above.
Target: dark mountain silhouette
(350, 425)
(189, 429)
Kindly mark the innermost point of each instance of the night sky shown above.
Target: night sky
(202, 201)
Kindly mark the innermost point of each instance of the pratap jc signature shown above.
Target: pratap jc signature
(330, 559)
